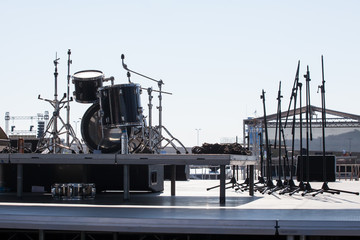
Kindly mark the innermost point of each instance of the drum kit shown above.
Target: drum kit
(114, 122)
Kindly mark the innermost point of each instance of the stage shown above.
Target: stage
(193, 211)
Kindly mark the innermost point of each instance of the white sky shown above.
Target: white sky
(214, 56)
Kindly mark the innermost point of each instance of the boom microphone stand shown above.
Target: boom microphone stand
(290, 184)
(301, 186)
(279, 183)
(308, 188)
(325, 187)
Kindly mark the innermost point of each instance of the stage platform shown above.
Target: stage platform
(194, 211)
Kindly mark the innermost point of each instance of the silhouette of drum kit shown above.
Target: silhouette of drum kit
(114, 122)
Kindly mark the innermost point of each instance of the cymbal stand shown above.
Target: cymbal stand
(325, 187)
(68, 99)
(269, 183)
(53, 143)
(154, 136)
(157, 130)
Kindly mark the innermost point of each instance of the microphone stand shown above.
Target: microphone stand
(157, 131)
(269, 183)
(290, 184)
(279, 183)
(308, 188)
(325, 187)
(301, 186)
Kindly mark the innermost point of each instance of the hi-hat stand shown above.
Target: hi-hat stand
(52, 143)
(156, 136)
(325, 188)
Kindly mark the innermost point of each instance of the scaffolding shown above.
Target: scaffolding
(41, 120)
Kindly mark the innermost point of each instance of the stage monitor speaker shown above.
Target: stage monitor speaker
(316, 168)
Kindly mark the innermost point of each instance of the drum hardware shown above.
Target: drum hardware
(155, 133)
(53, 144)
(73, 191)
(109, 79)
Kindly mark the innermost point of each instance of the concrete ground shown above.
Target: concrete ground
(193, 210)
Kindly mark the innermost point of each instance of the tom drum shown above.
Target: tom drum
(86, 85)
(120, 105)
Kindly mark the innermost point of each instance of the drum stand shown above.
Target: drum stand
(155, 134)
(52, 144)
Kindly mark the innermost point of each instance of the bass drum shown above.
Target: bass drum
(111, 142)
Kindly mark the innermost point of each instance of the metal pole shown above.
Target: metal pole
(19, 181)
(41, 234)
(126, 170)
(251, 180)
(173, 179)
(1, 176)
(198, 130)
(68, 100)
(56, 110)
(160, 83)
(150, 118)
(222, 184)
(115, 236)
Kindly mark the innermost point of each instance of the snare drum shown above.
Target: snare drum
(120, 105)
(86, 85)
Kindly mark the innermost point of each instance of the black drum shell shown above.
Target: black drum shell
(86, 87)
(106, 140)
(91, 132)
(120, 105)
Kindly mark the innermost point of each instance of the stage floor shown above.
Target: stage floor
(193, 210)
